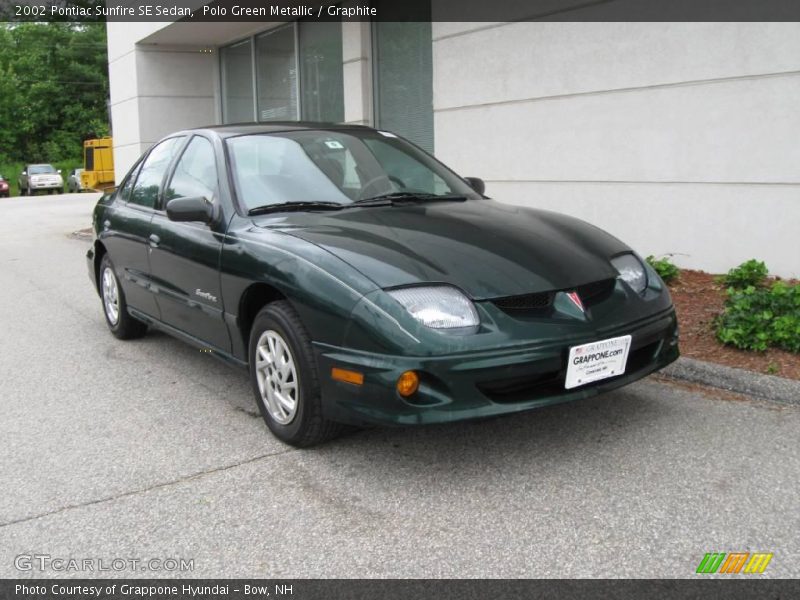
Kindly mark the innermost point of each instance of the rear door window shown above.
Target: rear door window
(151, 174)
(195, 173)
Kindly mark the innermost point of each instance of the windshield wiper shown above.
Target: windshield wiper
(294, 207)
(395, 198)
(411, 197)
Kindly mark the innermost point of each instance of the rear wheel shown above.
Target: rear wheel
(283, 374)
(115, 309)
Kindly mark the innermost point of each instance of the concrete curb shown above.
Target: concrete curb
(756, 385)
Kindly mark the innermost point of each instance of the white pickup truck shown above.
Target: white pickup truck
(40, 177)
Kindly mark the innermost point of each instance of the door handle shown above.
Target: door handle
(154, 240)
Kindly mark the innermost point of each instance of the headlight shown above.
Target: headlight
(438, 307)
(631, 270)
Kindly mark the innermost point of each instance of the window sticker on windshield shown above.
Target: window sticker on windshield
(387, 134)
(334, 145)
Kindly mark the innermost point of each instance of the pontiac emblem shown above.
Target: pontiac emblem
(576, 300)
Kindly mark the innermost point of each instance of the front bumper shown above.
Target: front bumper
(481, 384)
(50, 185)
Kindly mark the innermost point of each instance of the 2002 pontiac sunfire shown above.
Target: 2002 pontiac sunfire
(362, 281)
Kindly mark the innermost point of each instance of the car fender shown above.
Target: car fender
(321, 287)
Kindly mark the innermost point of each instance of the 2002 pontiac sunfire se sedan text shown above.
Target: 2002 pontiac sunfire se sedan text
(362, 281)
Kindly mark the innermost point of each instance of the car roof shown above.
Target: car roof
(40, 165)
(235, 129)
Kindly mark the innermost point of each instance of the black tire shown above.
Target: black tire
(125, 327)
(307, 427)
(21, 191)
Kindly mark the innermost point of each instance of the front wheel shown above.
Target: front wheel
(283, 374)
(120, 323)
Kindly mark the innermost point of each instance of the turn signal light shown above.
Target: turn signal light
(353, 377)
(407, 383)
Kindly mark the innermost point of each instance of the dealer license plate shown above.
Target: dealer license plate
(596, 361)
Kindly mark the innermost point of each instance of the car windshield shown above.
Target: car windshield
(339, 167)
(41, 169)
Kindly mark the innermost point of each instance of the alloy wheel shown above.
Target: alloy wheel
(110, 296)
(277, 377)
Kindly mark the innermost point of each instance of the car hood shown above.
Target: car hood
(486, 248)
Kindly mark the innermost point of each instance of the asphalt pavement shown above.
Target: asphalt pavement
(153, 450)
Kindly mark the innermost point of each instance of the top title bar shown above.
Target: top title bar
(402, 10)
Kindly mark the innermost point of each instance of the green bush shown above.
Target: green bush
(665, 268)
(756, 318)
(752, 272)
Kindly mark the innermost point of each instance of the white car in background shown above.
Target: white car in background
(74, 181)
(41, 177)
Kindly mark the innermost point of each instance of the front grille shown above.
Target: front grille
(551, 383)
(519, 389)
(595, 292)
(540, 303)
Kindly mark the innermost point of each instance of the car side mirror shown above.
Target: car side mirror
(196, 208)
(59, 171)
(24, 173)
(476, 183)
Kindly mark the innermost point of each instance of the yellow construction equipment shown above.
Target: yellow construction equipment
(98, 164)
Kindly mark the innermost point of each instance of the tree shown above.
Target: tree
(53, 89)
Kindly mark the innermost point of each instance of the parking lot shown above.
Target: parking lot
(152, 449)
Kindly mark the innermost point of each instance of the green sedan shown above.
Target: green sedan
(361, 281)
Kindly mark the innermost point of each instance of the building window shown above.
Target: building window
(321, 77)
(403, 70)
(276, 75)
(236, 65)
(297, 73)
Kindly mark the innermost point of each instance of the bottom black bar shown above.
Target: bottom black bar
(395, 589)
